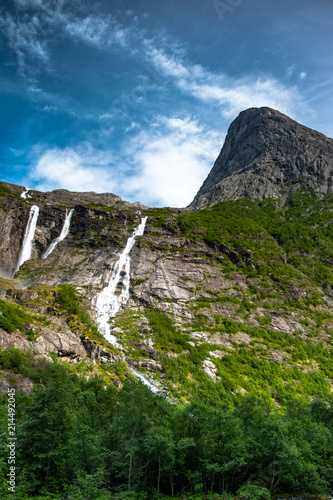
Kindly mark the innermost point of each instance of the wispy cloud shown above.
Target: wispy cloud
(246, 93)
(159, 160)
(24, 39)
(232, 95)
(168, 65)
(101, 32)
(30, 34)
(30, 31)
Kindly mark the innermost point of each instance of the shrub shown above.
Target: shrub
(68, 299)
(12, 359)
(253, 492)
(12, 317)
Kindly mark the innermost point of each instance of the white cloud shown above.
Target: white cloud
(171, 160)
(24, 40)
(303, 75)
(98, 31)
(243, 94)
(172, 157)
(291, 70)
(16, 152)
(162, 58)
(169, 65)
(231, 95)
(83, 169)
(30, 34)
(162, 166)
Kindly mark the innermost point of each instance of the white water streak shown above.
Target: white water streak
(26, 249)
(25, 193)
(147, 382)
(107, 303)
(63, 234)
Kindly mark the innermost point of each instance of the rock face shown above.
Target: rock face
(93, 214)
(265, 155)
(205, 285)
(56, 338)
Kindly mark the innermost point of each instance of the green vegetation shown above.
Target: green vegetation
(250, 367)
(12, 317)
(13, 359)
(286, 243)
(4, 191)
(283, 254)
(67, 299)
(101, 205)
(76, 316)
(166, 336)
(100, 443)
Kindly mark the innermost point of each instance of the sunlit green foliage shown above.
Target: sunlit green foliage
(264, 233)
(77, 317)
(12, 317)
(166, 336)
(78, 439)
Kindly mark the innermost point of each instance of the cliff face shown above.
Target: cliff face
(93, 213)
(265, 155)
(220, 299)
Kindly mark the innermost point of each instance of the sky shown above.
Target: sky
(135, 97)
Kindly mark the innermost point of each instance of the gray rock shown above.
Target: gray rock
(57, 338)
(147, 364)
(14, 381)
(63, 342)
(97, 352)
(266, 155)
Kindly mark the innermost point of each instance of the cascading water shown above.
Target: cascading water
(147, 382)
(63, 234)
(26, 249)
(107, 303)
(25, 193)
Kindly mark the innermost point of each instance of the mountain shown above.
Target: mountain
(226, 312)
(189, 293)
(266, 155)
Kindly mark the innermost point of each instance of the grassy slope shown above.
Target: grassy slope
(285, 255)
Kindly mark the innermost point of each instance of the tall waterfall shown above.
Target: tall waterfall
(63, 234)
(25, 252)
(107, 303)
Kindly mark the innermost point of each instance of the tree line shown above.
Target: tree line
(78, 439)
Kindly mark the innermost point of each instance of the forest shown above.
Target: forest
(80, 439)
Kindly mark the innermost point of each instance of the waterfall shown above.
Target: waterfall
(25, 193)
(146, 382)
(107, 303)
(63, 234)
(25, 252)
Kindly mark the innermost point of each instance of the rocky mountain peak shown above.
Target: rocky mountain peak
(265, 155)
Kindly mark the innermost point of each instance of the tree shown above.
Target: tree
(44, 436)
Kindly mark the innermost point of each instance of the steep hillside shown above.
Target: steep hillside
(228, 301)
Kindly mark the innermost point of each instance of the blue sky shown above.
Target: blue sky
(135, 97)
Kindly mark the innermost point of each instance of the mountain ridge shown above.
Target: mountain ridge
(225, 311)
(266, 154)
